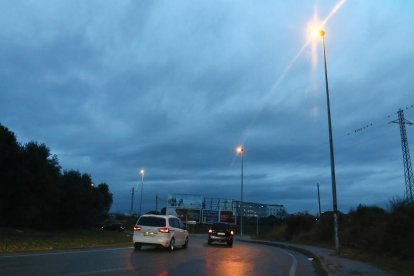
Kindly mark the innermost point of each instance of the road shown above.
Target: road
(198, 259)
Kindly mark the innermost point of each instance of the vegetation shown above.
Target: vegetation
(35, 193)
(366, 230)
(369, 229)
(368, 233)
(28, 239)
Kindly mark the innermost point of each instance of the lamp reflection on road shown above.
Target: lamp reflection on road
(227, 267)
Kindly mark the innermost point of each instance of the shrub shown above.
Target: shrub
(300, 222)
(399, 232)
(365, 228)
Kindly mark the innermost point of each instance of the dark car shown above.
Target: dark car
(221, 232)
(113, 227)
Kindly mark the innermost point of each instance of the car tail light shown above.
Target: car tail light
(231, 232)
(137, 228)
(164, 230)
(210, 230)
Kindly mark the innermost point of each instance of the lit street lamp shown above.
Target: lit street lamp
(321, 33)
(142, 172)
(240, 150)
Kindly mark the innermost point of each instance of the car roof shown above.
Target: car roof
(159, 216)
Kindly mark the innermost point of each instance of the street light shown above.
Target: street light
(319, 32)
(142, 172)
(240, 150)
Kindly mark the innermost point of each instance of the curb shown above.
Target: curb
(317, 261)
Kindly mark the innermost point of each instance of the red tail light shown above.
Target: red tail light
(210, 231)
(137, 228)
(164, 230)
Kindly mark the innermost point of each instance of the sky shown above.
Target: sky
(174, 87)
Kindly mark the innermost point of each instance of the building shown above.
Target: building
(261, 210)
(198, 209)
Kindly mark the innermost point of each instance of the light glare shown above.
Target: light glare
(317, 31)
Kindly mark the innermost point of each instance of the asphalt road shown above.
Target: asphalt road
(198, 259)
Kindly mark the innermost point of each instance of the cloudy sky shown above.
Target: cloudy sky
(175, 86)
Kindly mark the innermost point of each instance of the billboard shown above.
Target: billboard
(184, 201)
(185, 214)
(191, 208)
(227, 217)
(210, 216)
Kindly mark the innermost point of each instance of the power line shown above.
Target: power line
(408, 173)
(370, 125)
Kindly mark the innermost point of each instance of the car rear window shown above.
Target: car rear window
(151, 221)
(221, 226)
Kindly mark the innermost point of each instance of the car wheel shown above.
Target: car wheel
(230, 243)
(209, 242)
(137, 246)
(171, 247)
(186, 243)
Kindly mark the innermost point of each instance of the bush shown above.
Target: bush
(300, 222)
(365, 228)
(399, 232)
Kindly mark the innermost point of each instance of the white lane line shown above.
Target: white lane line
(63, 253)
(292, 270)
(117, 269)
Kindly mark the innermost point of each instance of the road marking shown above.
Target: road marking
(62, 253)
(118, 269)
(292, 270)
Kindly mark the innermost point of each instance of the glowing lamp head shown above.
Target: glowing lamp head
(240, 149)
(317, 31)
(142, 172)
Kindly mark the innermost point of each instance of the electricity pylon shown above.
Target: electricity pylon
(408, 171)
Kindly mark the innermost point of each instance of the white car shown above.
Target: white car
(159, 230)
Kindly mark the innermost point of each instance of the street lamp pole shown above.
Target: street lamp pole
(240, 150)
(132, 201)
(142, 172)
(331, 149)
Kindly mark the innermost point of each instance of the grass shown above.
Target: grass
(393, 265)
(14, 240)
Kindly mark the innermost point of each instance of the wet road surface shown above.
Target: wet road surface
(198, 259)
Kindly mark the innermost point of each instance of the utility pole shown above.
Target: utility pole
(132, 201)
(156, 203)
(408, 171)
(319, 201)
(142, 172)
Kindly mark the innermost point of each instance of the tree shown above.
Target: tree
(106, 197)
(38, 198)
(35, 193)
(74, 200)
(9, 174)
(163, 211)
(82, 204)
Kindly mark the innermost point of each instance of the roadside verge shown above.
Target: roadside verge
(319, 265)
